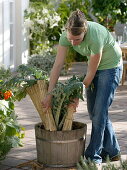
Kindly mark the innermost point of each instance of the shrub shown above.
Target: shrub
(10, 130)
(42, 22)
(44, 62)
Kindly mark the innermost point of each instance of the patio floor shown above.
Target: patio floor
(28, 117)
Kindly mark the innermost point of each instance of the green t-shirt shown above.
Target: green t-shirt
(97, 38)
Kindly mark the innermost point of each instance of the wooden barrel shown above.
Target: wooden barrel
(60, 148)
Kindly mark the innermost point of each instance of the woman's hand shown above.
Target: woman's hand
(92, 68)
(46, 103)
(74, 103)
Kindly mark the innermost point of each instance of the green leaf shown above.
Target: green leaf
(38, 74)
(2, 112)
(10, 129)
(11, 105)
(15, 142)
(3, 107)
(79, 167)
(20, 94)
(5, 148)
(2, 131)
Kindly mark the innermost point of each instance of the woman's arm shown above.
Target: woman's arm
(59, 62)
(92, 68)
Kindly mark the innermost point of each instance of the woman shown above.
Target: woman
(104, 72)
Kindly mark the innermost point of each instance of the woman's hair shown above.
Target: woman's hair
(76, 23)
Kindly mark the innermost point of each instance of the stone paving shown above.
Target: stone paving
(28, 117)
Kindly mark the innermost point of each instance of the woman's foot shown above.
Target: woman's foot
(115, 158)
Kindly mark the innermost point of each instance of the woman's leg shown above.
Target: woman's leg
(105, 83)
(110, 144)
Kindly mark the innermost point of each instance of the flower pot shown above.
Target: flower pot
(60, 148)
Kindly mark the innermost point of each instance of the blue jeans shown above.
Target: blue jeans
(100, 95)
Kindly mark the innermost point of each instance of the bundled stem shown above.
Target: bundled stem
(37, 93)
(69, 118)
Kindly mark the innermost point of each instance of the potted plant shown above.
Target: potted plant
(59, 140)
(62, 148)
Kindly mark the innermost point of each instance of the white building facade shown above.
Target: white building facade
(13, 37)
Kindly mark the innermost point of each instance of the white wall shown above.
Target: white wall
(14, 52)
(22, 44)
(6, 33)
(1, 34)
(25, 40)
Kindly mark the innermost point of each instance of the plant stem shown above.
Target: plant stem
(58, 110)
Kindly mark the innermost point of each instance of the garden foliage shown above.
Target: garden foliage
(109, 12)
(10, 131)
(90, 165)
(44, 62)
(63, 95)
(42, 23)
(46, 19)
